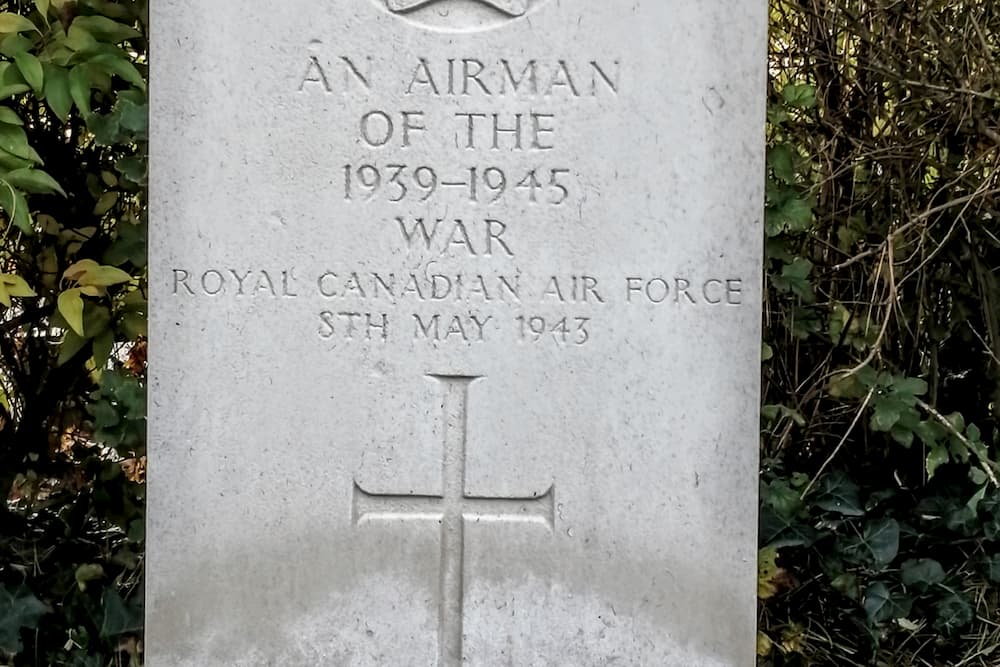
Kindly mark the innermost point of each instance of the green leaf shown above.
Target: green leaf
(882, 539)
(953, 613)
(11, 22)
(35, 181)
(990, 567)
(106, 203)
(903, 436)
(19, 608)
(120, 66)
(104, 345)
(119, 617)
(781, 159)
(910, 386)
(12, 285)
(86, 573)
(70, 345)
(881, 605)
(79, 89)
(885, 415)
(31, 69)
(937, 457)
(795, 214)
(802, 95)
(922, 573)
(43, 8)
(106, 30)
(795, 278)
(838, 493)
(10, 117)
(57, 91)
(11, 81)
(14, 141)
(70, 304)
(16, 206)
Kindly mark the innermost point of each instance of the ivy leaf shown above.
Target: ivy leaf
(937, 457)
(837, 493)
(781, 159)
(795, 278)
(990, 567)
(800, 95)
(922, 573)
(882, 539)
(910, 386)
(953, 613)
(885, 415)
(795, 214)
(13, 285)
(19, 608)
(881, 605)
(70, 305)
(119, 617)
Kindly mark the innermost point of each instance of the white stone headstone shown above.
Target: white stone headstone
(455, 337)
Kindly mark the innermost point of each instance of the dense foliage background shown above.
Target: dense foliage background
(880, 511)
(73, 120)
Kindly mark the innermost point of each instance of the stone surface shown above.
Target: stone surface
(455, 334)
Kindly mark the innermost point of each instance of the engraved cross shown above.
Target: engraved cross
(451, 509)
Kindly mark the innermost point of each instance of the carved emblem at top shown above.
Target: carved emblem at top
(509, 7)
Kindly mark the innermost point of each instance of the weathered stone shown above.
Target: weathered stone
(455, 335)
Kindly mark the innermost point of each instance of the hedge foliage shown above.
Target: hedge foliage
(880, 516)
(880, 511)
(73, 125)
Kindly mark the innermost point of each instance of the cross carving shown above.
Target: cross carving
(451, 509)
(512, 7)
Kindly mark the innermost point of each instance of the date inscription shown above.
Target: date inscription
(402, 183)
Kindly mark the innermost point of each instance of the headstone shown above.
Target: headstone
(455, 335)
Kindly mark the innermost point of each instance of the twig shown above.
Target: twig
(833, 454)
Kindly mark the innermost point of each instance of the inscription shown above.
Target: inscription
(529, 79)
(462, 308)
(401, 183)
(532, 78)
(451, 508)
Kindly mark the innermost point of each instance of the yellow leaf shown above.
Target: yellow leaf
(88, 272)
(43, 8)
(12, 285)
(106, 203)
(767, 572)
(79, 269)
(11, 22)
(71, 308)
(104, 276)
(92, 290)
(764, 645)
